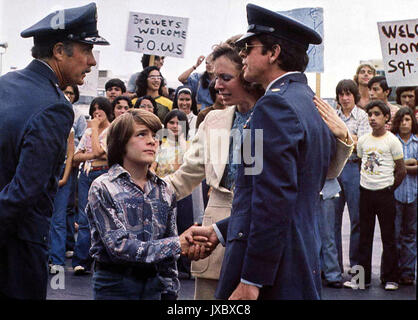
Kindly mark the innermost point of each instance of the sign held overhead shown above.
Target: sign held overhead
(156, 34)
(399, 44)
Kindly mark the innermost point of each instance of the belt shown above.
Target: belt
(142, 272)
(99, 168)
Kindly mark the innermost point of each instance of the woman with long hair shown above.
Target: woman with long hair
(150, 83)
(91, 151)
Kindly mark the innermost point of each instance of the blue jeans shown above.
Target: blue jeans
(82, 247)
(58, 230)
(350, 183)
(113, 286)
(329, 254)
(406, 238)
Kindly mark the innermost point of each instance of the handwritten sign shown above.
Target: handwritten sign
(313, 18)
(156, 34)
(399, 44)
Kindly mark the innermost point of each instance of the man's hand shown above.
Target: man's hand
(198, 242)
(245, 292)
(331, 119)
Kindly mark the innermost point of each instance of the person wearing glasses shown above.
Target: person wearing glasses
(150, 82)
(272, 237)
(147, 103)
(217, 163)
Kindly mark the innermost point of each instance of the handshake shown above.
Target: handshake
(198, 242)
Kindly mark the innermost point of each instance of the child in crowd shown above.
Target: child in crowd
(405, 127)
(132, 213)
(382, 171)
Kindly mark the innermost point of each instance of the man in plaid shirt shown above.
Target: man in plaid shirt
(357, 122)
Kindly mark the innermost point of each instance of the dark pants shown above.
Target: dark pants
(380, 203)
(115, 286)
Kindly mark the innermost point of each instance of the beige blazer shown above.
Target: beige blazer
(206, 158)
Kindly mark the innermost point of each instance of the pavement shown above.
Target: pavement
(72, 287)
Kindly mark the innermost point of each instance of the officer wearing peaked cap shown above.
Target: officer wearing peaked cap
(272, 244)
(34, 126)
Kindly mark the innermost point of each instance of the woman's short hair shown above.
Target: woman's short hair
(122, 129)
(103, 104)
(186, 90)
(396, 122)
(147, 97)
(180, 115)
(116, 101)
(232, 53)
(347, 86)
(142, 84)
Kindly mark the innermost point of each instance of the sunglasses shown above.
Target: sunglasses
(246, 49)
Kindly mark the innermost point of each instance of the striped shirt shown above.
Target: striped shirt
(130, 226)
(357, 123)
(407, 191)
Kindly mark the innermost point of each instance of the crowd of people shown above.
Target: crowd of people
(157, 177)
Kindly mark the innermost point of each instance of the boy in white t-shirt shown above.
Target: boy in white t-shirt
(382, 171)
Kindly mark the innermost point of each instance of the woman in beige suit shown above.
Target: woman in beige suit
(213, 155)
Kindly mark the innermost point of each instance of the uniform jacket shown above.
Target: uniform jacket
(272, 233)
(35, 123)
(206, 158)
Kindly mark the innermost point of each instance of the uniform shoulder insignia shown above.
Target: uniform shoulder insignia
(275, 90)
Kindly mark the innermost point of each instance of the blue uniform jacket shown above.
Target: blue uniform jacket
(272, 233)
(35, 121)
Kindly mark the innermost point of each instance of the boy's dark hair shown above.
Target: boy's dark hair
(103, 104)
(142, 84)
(403, 111)
(381, 105)
(115, 83)
(382, 83)
(122, 129)
(292, 56)
(139, 100)
(400, 90)
(348, 85)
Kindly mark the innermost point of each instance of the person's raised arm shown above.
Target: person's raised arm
(186, 74)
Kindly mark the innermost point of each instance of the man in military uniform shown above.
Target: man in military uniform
(35, 122)
(272, 237)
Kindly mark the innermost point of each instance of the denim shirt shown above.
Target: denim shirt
(202, 95)
(231, 169)
(131, 226)
(407, 190)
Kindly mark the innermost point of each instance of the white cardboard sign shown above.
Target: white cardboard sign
(399, 44)
(156, 34)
